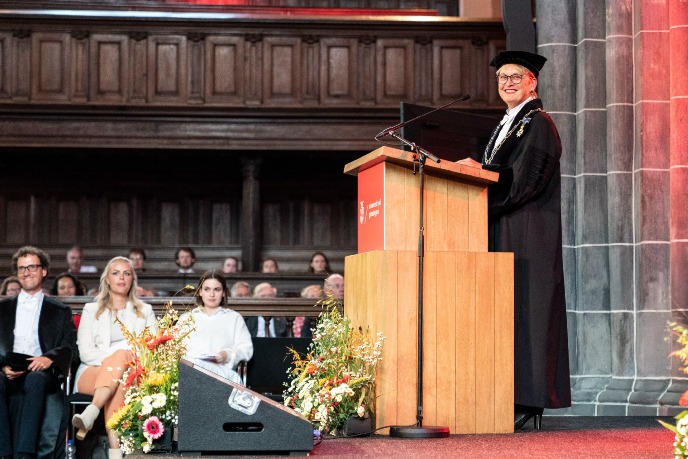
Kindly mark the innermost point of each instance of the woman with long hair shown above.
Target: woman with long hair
(103, 348)
(220, 340)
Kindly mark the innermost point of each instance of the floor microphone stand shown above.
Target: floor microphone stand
(418, 430)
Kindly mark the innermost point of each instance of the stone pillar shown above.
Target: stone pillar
(678, 183)
(251, 221)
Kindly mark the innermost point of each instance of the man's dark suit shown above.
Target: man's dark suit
(57, 338)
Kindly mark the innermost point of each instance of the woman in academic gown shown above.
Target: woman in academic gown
(524, 217)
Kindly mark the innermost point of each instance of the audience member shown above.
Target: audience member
(66, 284)
(278, 325)
(103, 347)
(240, 289)
(335, 285)
(269, 265)
(302, 325)
(10, 286)
(185, 259)
(319, 264)
(220, 340)
(138, 259)
(37, 348)
(231, 265)
(74, 260)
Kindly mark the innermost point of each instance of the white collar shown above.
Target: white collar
(511, 113)
(26, 297)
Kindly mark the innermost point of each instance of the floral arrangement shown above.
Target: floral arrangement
(681, 427)
(151, 383)
(336, 378)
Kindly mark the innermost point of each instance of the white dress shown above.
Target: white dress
(225, 330)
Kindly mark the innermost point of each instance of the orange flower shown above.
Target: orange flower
(683, 401)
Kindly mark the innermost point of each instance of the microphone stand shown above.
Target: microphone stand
(418, 430)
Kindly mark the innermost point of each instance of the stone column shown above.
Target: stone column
(678, 183)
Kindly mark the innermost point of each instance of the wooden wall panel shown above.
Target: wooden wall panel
(109, 68)
(51, 60)
(367, 81)
(138, 68)
(394, 70)
(167, 69)
(311, 66)
(23, 72)
(119, 225)
(225, 69)
(339, 71)
(79, 67)
(5, 65)
(68, 222)
(18, 222)
(282, 67)
(451, 59)
(254, 73)
(196, 68)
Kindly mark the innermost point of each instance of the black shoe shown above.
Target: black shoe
(523, 414)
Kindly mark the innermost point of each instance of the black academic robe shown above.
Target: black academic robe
(56, 333)
(524, 217)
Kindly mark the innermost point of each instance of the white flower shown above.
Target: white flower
(146, 400)
(360, 411)
(158, 400)
(146, 447)
(146, 409)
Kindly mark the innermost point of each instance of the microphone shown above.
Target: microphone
(389, 130)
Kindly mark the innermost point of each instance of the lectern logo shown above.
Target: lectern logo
(362, 213)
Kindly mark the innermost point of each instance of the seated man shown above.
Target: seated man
(37, 349)
(185, 258)
(74, 260)
(256, 325)
(334, 284)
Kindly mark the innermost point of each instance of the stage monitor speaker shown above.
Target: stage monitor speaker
(219, 416)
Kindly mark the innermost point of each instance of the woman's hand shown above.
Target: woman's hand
(469, 162)
(222, 357)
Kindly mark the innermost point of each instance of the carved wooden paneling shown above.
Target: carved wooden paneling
(109, 68)
(494, 47)
(5, 65)
(423, 70)
(51, 63)
(17, 221)
(254, 69)
(167, 69)
(22, 74)
(367, 82)
(224, 59)
(79, 67)
(339, 71)
(282, 70)
(452, 59)
(311, 63)
(394, 70)
(67, 222)
(138, 52)
(119, 225)
(196, 59)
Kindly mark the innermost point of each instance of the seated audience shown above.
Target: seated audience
(185, 259)
(220, 340)
(231, 265)
(302, 325)
(319, 264)
(278, 325)
(103, 348)
(138, 259)
(74, 260)
(37, 348)
(66, 284)
(269, 265)
(335, 285)
(240, 289)
(10, 286)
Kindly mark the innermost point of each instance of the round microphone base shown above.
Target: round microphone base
(419, 432)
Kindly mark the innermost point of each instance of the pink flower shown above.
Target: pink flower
(153, 428)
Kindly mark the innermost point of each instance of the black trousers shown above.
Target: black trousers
(34, 386)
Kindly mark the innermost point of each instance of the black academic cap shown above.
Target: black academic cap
(532, 62)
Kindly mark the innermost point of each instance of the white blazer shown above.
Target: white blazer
(93, 336)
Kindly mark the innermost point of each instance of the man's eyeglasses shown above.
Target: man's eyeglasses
(515, 78)
(31, 268)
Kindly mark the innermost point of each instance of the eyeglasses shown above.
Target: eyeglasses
(31, 268)
(515, 78)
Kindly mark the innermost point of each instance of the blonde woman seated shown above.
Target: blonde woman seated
(103, 349)
(220, 340)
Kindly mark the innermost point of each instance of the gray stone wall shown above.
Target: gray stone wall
(611, 105)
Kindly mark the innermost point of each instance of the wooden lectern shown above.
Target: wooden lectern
(468, 342)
